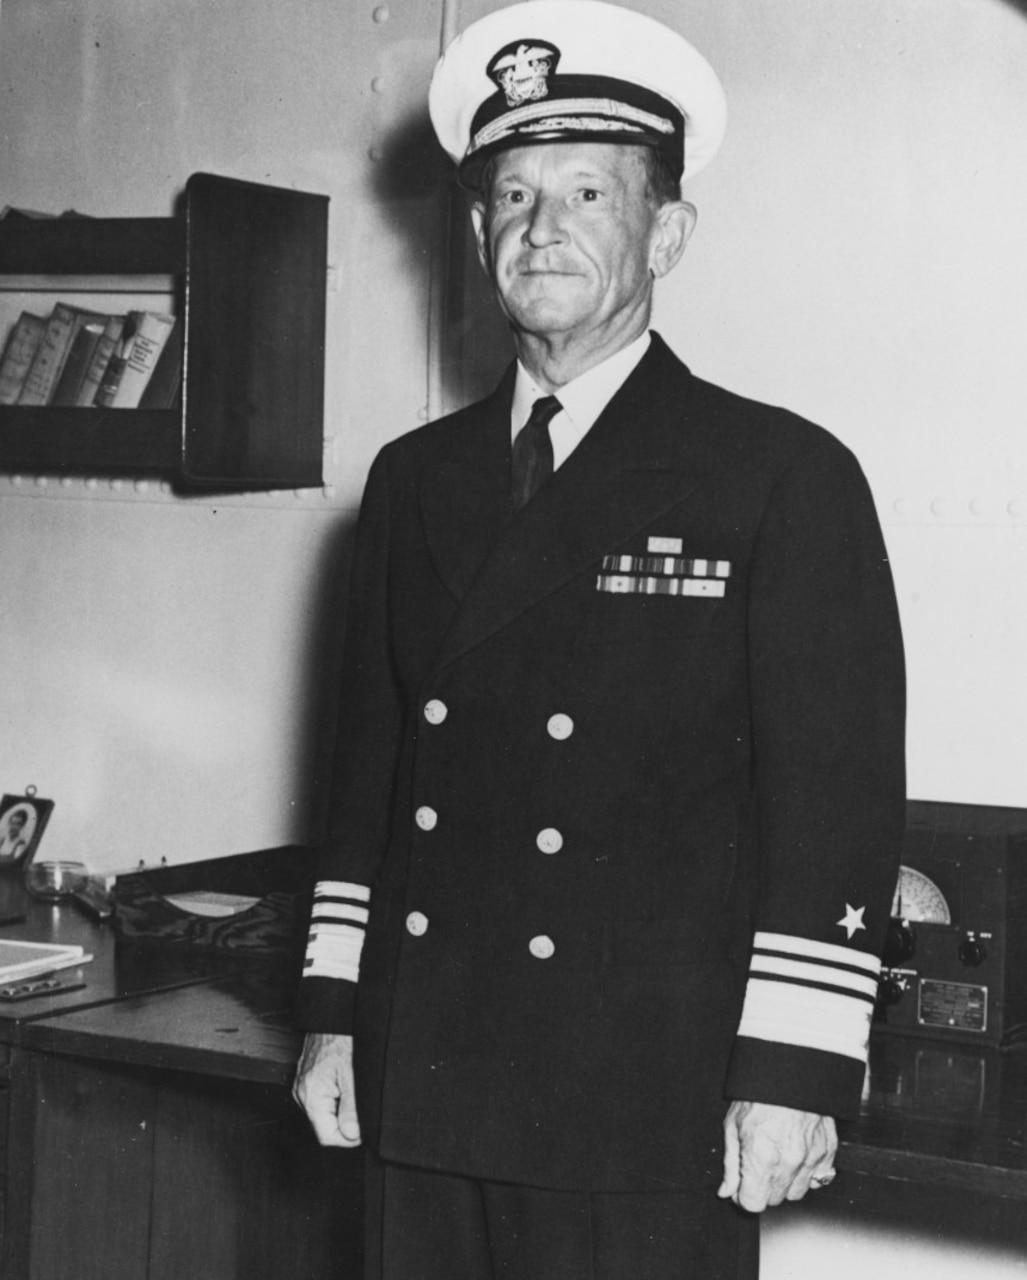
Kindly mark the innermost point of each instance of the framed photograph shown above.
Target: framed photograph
(23, 820)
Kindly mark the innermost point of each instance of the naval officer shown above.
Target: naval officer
(619, 790)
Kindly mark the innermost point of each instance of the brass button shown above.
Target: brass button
(426, 818)
(549, 840)
(435, 711)
(417, 924)
(560, 726)
(542, 947)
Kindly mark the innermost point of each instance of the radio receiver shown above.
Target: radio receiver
(955, 962)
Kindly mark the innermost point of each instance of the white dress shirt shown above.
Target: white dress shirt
(583, 399)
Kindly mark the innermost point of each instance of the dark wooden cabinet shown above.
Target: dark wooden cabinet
(120, 1172)
(146, 1126)
(249, 264)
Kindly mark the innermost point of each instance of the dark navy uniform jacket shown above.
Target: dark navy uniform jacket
(619, 791)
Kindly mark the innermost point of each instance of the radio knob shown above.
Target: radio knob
(972, 951)
(899, 943)
(891, 989)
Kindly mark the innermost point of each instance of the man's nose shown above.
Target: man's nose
(545, 223)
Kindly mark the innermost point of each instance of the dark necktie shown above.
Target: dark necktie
(533, 450)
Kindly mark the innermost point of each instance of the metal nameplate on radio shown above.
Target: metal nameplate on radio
(958, 1006)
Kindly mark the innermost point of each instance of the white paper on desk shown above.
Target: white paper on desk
(206, 902)
(30, 959)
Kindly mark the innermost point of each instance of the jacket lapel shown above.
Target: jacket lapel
(465, 498)
(629, 468)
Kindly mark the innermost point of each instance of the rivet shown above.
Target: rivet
(381, 14)
(378, 84)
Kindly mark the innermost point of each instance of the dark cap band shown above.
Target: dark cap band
(576, 108)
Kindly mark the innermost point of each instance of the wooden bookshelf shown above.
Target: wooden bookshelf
(249, 265)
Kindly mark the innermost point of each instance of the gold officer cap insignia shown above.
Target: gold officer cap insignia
(521, 70)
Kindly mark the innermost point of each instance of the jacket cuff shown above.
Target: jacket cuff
(805, 1027)
(326, 1005)
(331, 967)
(338, 922)
(826, 1084)
(814, 995)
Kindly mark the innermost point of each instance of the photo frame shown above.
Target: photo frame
(23, 820)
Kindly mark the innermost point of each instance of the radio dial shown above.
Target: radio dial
(899, 943)
(972, 951)
(891, 989)
(919, 899)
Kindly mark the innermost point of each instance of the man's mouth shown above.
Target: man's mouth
(535, 270)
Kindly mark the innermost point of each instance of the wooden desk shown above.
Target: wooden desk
(149, 1130)
(112, 974)
(937, 1156)
(151, 1135)
(944, 1115)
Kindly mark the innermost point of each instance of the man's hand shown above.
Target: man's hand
(774, 1153)
(324, 1089)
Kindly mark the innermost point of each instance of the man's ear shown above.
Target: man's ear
(481, 237)
(675, 222)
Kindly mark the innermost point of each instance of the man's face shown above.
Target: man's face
(567, 234)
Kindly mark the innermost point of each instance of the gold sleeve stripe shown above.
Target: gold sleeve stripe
(817, 952)
(336, 939)
(329, 910)
(342, 889)
(816, 975)
(807, 1017)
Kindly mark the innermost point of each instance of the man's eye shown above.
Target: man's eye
(590, 195)
(514, 197)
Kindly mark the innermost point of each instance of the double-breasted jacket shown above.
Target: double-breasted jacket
(619, 789)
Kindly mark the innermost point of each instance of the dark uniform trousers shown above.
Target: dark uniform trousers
(423, 1225)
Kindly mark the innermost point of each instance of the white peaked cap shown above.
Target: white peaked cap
(575, 70)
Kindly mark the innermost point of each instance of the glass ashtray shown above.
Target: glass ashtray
(55, 880)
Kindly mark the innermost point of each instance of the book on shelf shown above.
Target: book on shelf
(93, 376)
(15, 214)
(162, 389)
(19, 351)
(12, 212)
(61, 329)
(78, 363)
(31, 959)
(143, 338)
